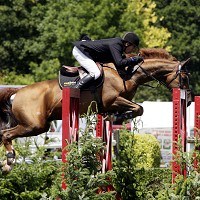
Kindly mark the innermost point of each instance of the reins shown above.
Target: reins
(178, 72)
(160, 82)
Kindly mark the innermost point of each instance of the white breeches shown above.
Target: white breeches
(86, 63)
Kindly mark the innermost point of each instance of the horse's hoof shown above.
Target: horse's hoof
(10, 161)
(128, 115)
(6, 168)
(10, 158)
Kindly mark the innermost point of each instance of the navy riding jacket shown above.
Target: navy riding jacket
(105, 51)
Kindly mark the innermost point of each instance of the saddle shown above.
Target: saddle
(68, 77)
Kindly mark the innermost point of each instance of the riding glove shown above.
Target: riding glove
(137, 59)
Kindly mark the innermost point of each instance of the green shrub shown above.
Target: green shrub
(147, 151)
(82, 172)
(131, 179)
(135, 164)
(29, 181)
(151, 181)
(185, 187)
(124, 167)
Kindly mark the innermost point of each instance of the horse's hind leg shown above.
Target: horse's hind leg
(128, 108)
(18, 131)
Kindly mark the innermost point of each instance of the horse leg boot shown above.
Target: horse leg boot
(84, 81)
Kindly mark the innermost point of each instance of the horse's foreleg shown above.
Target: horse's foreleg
(123, 105)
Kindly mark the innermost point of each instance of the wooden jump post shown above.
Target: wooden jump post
(197, 123)
(197, 115)
(179, 127)
(104, 130)
(70, 126)
(70, 119)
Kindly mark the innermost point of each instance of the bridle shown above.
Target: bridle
(179, 72)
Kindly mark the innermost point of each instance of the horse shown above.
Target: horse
(34, 106)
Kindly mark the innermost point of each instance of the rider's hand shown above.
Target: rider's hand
(137, 59)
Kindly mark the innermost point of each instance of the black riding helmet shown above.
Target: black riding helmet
(132, 38)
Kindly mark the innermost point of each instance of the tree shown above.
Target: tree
(16, 33)
(141, 16)
(38, 32)
(37, 36)
(182, 19)
(64, 21)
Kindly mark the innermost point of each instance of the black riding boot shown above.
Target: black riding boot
(84, 81)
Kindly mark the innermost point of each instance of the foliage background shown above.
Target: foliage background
(41, 179)
(36, 36)
(31, 177)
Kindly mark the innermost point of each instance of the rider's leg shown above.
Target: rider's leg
(89, 65)
(85, 80)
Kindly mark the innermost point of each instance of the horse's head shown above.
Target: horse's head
(161, 66)
(179, 77)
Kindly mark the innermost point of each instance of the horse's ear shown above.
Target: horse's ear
(183, 63)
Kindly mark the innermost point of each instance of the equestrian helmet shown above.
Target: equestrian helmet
(131, 38)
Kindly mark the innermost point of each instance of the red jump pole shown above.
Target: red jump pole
(196, 123)
(179, 126)
(70, 119)
(104, 130)
(99, 126)
(197, 115)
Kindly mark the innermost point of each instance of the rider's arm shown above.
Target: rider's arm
(117, 51)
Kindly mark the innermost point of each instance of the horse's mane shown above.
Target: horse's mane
(149, 53)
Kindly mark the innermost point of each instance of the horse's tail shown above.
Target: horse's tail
(7, 119)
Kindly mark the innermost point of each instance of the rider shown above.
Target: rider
(87, 52)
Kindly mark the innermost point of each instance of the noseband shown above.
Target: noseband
(178, 74)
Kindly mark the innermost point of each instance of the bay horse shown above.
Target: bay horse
(35, 106)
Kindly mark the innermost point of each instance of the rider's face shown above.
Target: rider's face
(131, 48)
